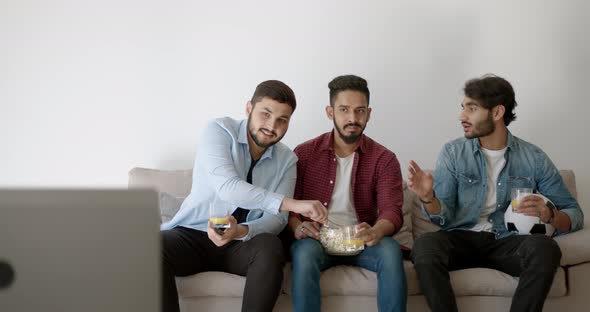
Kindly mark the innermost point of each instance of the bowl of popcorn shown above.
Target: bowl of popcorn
(340, 240)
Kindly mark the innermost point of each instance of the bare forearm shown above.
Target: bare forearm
(294, 222)
(242, 231)
(384, 227)
(431, 204)
(561, 221)
(287, 204)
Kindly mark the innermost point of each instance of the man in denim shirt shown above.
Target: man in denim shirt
(469, 193)
(240, 164)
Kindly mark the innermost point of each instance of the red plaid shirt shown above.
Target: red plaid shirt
(376, 181)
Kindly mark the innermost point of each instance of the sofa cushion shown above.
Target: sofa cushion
(211, 284)
(354, 281)
(404, 236)
(175, 182)
(169, 205)
(495, 283)
(575, 247)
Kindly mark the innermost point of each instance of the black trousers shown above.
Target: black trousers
(187, 251)
(533, 258)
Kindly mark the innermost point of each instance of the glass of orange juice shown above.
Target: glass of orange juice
(517, 194)
(218, 216)
(350, 241)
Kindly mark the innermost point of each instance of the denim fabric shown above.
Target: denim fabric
(460, 184)
(385, 258)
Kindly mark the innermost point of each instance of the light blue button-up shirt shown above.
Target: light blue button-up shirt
(460, 184)
(221, 165)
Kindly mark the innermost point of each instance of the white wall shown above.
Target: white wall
(90, 89)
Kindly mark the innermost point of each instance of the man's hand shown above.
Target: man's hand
(312, 209)
(369, 234)
(420, 182)
(534, 206)
(307, 229)
(221, 239)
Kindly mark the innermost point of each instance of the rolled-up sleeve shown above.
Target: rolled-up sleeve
(390, 194)
(445, 187)
(551, 185)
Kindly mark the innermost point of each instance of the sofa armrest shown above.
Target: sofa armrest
(575, 247)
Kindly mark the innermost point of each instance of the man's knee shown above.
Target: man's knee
(389, 250)
(541, 251)
(430, 248)
(389, 256)
(268, 249)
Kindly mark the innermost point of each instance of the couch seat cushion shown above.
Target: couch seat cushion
(353, 281)
(211, 284)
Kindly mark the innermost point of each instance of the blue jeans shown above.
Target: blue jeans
(385, 258)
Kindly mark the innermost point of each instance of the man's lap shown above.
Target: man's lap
(310, 250)
(467, 249)
(195, 252)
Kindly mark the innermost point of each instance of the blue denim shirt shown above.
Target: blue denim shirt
(220, 170)
(460, 184)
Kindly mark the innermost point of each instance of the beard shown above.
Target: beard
(483, 128)
(252, 133)
(349, 139)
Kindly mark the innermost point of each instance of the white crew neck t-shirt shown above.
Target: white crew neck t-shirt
(341, 209)
(495, 162)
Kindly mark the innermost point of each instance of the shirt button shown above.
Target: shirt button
(334, 159)
(469, 181)
(331, 182)
(325, 204)
(498, 205)
(499, 183)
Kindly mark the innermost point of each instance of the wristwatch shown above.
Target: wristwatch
(427, 202)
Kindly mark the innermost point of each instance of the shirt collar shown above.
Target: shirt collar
(327, 142)
(243, 139)
(510, 142)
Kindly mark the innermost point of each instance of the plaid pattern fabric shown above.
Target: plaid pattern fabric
(376, 181)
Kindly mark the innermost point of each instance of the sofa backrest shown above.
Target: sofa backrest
(176, 184)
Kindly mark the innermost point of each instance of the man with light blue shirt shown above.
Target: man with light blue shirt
(242, 165)
(469, 194)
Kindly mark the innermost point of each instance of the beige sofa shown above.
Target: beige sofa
(354, 289)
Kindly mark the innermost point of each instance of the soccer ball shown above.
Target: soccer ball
(526, 225)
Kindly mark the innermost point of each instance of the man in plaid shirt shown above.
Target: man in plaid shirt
(360, 183)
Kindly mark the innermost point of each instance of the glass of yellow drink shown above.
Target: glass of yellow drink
(518, 194)
(350, 241)
(218, 216)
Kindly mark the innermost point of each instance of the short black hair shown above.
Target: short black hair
(347, 82)
(491, 91)
(275, 90)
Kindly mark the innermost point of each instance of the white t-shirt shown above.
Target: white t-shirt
(495, 162)
(341, 209)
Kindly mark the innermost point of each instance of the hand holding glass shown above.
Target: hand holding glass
(350, 242)
(218, 216)
(518, 194)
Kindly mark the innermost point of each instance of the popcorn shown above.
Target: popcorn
(332, 239)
